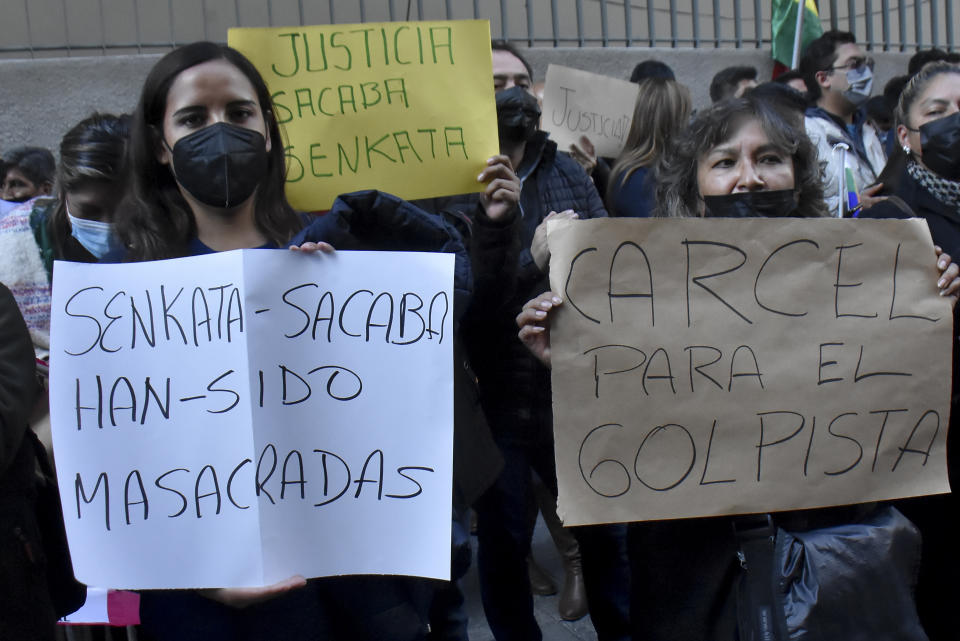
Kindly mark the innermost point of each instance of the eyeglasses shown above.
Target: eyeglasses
(854, 64)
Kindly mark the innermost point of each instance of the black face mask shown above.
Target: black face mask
(220, 165)
(517, 115)
(940, 142)
(752, 204)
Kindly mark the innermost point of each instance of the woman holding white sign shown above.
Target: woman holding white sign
(743, 158)
(207, 174)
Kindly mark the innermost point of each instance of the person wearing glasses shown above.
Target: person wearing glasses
(839, 78)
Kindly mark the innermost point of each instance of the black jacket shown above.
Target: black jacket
(18, 388)
(26, 609)
(514, 386)
(378, 221)
(944, 222)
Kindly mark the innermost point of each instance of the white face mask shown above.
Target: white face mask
(861, 85)
(95, 236)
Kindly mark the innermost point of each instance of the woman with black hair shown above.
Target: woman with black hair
(207, 174)
(26, 607)
(207, 167)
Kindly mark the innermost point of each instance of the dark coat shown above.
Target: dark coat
(936, 590)
(379, 221)
(515, 386)
(26, 610)
(18, 389)
(944, 222)
(636, 196)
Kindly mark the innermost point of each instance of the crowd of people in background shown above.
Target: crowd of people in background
(814, 142)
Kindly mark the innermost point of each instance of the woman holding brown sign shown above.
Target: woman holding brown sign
(722, 578)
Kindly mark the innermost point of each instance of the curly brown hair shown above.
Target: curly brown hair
(678, 191)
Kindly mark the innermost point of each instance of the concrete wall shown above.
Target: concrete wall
(43, 98)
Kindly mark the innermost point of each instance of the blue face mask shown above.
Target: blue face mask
(95, 236)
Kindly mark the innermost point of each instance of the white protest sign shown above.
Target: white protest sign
(579, 103)
(707, 367)
(238, 418)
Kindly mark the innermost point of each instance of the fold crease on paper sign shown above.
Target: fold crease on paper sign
(234, 419)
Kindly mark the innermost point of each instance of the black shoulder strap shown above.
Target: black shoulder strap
(901, 204)
(757, 612)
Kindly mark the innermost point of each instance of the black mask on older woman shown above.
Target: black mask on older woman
(517, 115)
(940, 141)
(752, 204)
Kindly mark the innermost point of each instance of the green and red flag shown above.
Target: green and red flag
(783, 24)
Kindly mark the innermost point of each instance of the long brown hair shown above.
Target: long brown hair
(155, 221)
(661, 111)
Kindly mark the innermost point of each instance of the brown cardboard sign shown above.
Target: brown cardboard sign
(705, 366)
(579, 103)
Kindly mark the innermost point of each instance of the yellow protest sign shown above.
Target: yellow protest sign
(404, 107)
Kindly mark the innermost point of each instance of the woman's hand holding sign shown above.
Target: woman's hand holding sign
(312, 248)
(534, 325)
(245, 597)
(949, 280)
